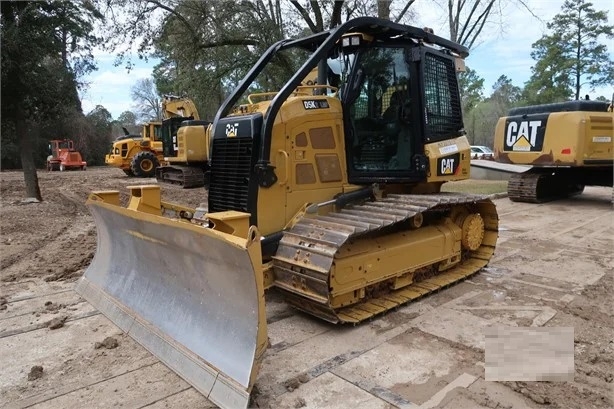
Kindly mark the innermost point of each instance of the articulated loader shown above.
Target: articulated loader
(328, 194)
(567, 144)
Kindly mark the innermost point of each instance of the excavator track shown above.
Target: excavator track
(185, 176)
(540, 186)
(308, 250)
(523, 187)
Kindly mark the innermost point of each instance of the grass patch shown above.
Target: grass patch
(476, 186)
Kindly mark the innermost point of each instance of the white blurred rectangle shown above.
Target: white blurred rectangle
(529, 354)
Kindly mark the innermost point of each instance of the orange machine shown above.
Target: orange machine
(64, 156)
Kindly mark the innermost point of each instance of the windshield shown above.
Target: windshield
(380, 112)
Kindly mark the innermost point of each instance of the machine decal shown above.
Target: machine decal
(315, 104)
(232, 130)
(444, 150)
(525, 134)
(448, 165)
(602, 139)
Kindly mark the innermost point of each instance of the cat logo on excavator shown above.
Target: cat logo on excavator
(525, 136)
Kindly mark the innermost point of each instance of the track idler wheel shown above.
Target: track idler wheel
(472, 226)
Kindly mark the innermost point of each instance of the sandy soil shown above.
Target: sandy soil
(553, 268)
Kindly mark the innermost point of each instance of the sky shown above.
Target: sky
(504, 49)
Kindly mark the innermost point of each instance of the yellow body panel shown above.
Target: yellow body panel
(308, 152)
(328, 176)
(370, 261)
(192, 144)
(448, 160)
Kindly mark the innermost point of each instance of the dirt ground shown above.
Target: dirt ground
(554, 267)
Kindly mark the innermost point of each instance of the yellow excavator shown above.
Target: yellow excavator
(140, 155)
(567, 144)
(328, 194)
(186, 154)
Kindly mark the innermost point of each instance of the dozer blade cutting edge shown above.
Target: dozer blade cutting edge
(192, 296)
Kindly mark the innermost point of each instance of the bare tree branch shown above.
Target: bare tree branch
(468, 20)
(145, 96)
(335, 19)
(318, 14)
(480, 20)
(305, 15)
(402, 13)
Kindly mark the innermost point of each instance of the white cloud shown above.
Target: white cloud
(110, 86)
(113, 78)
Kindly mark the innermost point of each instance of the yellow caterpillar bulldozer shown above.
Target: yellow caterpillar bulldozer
(567, 144)
(328, 194)
(141, 155)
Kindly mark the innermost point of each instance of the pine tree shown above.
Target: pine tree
(572, 56)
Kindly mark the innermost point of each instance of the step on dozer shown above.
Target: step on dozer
(192, 296)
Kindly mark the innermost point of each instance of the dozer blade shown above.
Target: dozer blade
(191, 295)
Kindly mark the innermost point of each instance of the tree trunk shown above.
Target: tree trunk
(383, 9)
(27, 159)
(578, 58)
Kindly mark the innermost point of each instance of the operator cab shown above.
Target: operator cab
(56, 145)
(387, 88)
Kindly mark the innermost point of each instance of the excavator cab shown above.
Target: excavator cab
(326, 191)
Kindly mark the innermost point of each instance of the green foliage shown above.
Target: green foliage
(550, 80)
(46, 47)
(471, 88)
(480, 122)
(572, 56)
(127, 118)
(206, 47)
(96, 141)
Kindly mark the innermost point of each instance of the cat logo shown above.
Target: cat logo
(524, 136)
(232, 130)
(448, 165)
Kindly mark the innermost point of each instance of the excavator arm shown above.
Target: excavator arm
(173, 106)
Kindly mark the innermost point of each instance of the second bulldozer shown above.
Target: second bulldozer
(329, 194)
